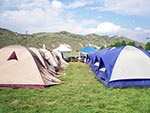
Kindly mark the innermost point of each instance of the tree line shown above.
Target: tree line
(124, 43)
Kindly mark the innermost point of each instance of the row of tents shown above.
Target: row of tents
(125, 66)
(29, 67)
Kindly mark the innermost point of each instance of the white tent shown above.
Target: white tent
(63, 48)
(21, 67)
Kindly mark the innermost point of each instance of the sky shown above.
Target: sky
(130, 18)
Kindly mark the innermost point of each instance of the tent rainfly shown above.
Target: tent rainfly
(125, 66)
(87, 49)
(22, 68)
(63, 48)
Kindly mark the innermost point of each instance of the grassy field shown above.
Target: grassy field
(80, 92)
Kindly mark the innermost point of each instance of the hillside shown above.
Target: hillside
(52, 40)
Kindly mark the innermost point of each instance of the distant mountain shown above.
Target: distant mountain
(52, 40)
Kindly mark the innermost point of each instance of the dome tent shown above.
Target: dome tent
(63, 48)
(22, 68)
(87, 49)
(93, 58)
(125, 66)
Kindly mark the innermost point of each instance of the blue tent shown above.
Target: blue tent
(87, 49)
(95, 57)
(125, 66)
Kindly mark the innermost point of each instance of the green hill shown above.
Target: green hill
(52, 40)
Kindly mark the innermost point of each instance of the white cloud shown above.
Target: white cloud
(88, 23)
(35, 15)
(138, 29)
(128, 7)
(78, 3)
(41, 16)
(50, 16)
(23, 4)
(57, 5)
(107, 28)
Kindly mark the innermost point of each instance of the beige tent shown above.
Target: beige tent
(40, 56)
(21, 67)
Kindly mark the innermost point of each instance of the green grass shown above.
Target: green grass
(80, 92)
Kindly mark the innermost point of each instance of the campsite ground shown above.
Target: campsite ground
(80, 92)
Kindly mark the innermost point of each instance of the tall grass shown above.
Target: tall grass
(80, 92)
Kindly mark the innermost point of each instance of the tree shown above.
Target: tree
(131, 43)
(141, 47)
(147, 47)
(123, 43)
(117, 44)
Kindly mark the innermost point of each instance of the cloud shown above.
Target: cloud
(127, 7)
(138, 29)
(79, 3)
(41, 16)
(53, 16)
(107, 28)
(110, 29)
(57, 5)
(35, 15)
